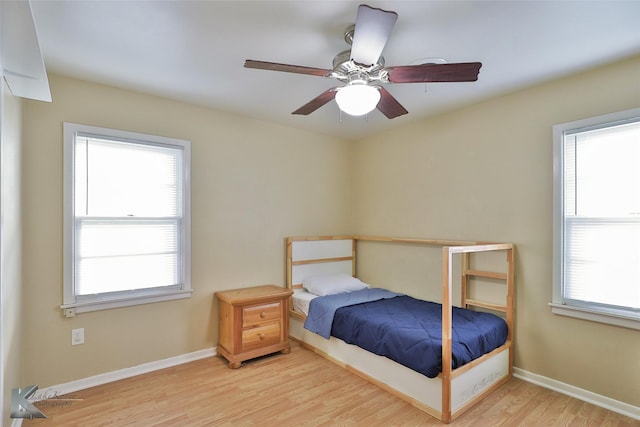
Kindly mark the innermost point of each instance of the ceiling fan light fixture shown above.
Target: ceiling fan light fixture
(357, 99)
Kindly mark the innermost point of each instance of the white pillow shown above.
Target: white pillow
(332, 284)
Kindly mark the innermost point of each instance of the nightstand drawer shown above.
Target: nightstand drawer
(261, 336)
(254, 315)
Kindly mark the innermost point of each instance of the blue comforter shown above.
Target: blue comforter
(409, 331)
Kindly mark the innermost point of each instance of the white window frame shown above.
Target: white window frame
(558, 305)
(71, 303)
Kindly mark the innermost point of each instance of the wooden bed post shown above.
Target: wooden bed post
(288, 275)
(447, 276)
(354, 242)
(289, 270)
(465, 280)
(510, 304)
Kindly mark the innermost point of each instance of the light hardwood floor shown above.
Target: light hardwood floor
(296, 389)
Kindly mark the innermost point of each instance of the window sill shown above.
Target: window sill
(71, 310)
(595, 316)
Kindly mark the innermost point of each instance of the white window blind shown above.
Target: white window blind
(130, 232)
(599, 226)
(121, 255)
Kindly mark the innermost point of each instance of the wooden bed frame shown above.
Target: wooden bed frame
(453, 391)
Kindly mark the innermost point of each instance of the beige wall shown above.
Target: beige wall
(485, 173)
(478, 173)
(11, 241)
(253, 184)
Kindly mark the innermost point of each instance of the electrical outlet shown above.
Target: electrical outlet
(77, 336)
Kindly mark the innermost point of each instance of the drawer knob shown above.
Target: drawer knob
(263, 315)
(261, 336)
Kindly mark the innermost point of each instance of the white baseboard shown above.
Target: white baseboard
(579, 393)
(108, 377)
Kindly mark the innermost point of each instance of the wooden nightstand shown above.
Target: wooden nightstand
(253, 322)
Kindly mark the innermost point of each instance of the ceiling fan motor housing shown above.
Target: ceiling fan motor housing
(346, 70)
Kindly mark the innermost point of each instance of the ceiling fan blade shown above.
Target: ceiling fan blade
(317, 102)
(274, 66)
(389, 106)
(372, 30)
(424, 73)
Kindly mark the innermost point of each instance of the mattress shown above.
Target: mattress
(301, 300)
(409, 331)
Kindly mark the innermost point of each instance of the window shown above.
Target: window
(597, 219)
(126, 218)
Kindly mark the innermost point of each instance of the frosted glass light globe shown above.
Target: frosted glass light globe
(357, 99)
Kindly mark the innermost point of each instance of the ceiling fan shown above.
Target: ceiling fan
(362, 69)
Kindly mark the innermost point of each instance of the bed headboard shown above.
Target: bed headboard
(310, 256)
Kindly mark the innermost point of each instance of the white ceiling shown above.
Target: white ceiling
(194, 51)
